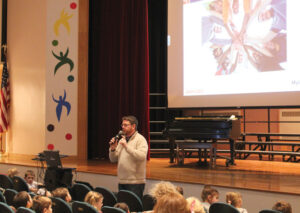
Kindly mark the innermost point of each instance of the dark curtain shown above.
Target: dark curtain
(3, 29)
(158, 45)
(118, 70)
(158, 64)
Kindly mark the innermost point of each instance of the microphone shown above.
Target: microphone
(118, 137)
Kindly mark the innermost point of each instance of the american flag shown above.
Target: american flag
(4, 99)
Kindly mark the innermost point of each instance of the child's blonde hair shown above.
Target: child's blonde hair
(195, 205)
(93, 198)
(12, 172)
(234, 198)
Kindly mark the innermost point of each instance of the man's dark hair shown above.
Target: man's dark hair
(132, 120)
(21, 199)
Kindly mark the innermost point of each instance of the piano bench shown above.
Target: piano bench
(181, 146)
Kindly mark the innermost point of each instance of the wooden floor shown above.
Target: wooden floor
(270, 176)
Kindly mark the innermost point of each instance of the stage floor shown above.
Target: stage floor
(268, 176)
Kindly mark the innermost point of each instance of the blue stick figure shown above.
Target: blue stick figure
(61, 102)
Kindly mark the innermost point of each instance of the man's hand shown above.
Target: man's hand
(113, 144)
(123, 142)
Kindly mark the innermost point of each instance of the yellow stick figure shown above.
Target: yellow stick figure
(63, 20)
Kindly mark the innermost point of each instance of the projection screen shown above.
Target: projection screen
(233, 53)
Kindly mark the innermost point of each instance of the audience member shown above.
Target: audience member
(179, 189)
(95, 199)
(195, 205)
(22, 199)
(122, 206)
(235, 199)
(162, 188)
(29, 178)
(171, 203)
(62, 193)
(209, 196)
(283, 207)
(12, 172)
(42, 204)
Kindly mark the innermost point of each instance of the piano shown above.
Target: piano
(204, 129)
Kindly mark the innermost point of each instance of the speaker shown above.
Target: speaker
(58, 177)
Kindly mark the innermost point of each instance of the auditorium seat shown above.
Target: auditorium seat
(78, 191)
(132, 200)
(9, 195)
(32, 194)
(268, 211)
(59, 205)
(19, 184)
(83, 207)
(109, 197)
(2, 198)
(148, 202)
(109, 209)
(5, 182)
(85, 183)
(222, 207)
(4, 208)
(24, 210)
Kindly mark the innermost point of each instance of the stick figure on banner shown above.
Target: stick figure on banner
(63, 58)
(61, 102)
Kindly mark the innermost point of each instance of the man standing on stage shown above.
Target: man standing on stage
(130, 152)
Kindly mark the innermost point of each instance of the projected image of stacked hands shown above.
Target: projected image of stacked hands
(264, 49)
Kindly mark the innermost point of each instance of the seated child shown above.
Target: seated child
(122, 206)
(235, 199)
(209, 196)
(12, 172)
(29, 178)
(42, 204)
(22, 199)
(283, 207)
(95, 199)
(62, 193)
(195, 205)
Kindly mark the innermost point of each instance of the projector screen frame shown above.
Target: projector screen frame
(284, 99)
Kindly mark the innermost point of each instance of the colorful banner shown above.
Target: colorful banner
(61, 76)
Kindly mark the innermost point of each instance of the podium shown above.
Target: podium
(58, 177)
(55, 175)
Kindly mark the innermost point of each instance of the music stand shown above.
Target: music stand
(52, 159)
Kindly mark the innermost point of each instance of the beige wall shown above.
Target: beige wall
(26, 33)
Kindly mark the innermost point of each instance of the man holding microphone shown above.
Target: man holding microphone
(130, 151)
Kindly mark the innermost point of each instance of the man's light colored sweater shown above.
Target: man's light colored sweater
(131, 161)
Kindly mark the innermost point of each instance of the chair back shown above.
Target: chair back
(85, 183)
(268, 211)
(19, 184)
(131, 199)
(222, 207)
(32, 194)
(24, 210)
(83, 207)
(9, 195)
(148, 202)
(4, 208)
(78, 191)
(2, 198)
(109, 209)
(59, 205)
(109, 198)
(5, 182)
